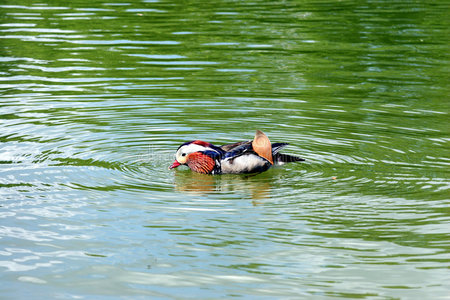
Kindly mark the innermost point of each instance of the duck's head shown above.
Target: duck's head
(189, 151)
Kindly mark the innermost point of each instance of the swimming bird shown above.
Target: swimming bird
(254, 156)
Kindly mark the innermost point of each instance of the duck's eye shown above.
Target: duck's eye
(183, 154)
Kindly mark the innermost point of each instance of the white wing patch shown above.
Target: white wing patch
(243, 164)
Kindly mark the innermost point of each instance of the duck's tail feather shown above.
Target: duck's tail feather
(281, 158)
(276, 147)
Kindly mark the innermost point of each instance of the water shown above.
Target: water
(96, 97)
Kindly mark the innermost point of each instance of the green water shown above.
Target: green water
(96, 96)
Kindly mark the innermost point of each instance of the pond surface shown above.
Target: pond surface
(96, 96)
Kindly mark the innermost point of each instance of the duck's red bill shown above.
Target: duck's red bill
(174, 165)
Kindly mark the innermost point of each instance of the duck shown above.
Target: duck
(254, 156)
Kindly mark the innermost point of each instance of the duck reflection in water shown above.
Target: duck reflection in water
(253, 185)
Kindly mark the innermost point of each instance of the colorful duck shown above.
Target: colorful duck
(253, 156)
